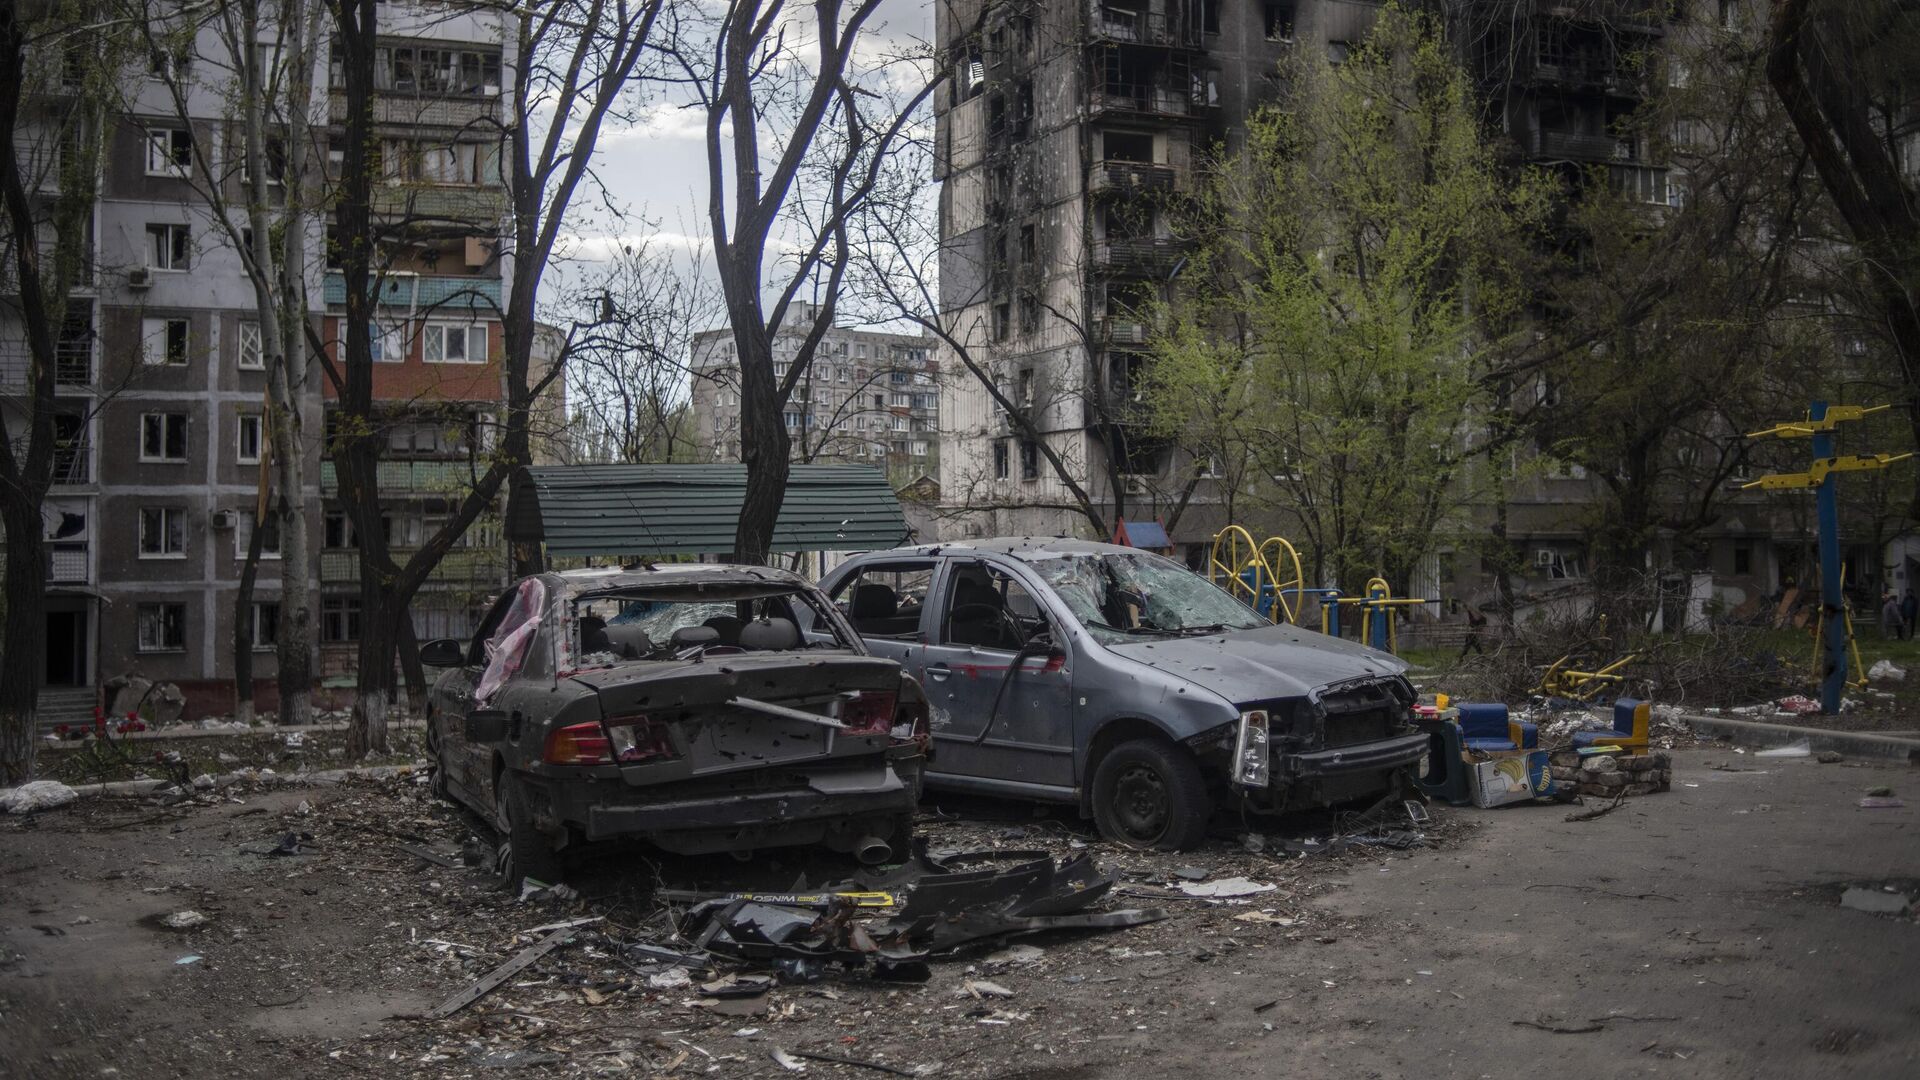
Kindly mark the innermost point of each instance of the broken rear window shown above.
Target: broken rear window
(666, 623)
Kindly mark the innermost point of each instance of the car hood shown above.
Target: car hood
(1263, 663)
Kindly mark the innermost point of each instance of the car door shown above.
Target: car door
(996, 723)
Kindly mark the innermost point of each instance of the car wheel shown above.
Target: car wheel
(524, 851)
(1150, 795)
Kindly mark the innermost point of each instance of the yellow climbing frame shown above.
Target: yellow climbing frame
(1251, 569)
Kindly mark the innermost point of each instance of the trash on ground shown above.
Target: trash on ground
(184, 920)
(1798, 748)
(1799, 704)
(1829, 757)
(502, 973)
(1886, 671)
(1227, 887)
(186, 960)
(36, 796)
(1881, 802)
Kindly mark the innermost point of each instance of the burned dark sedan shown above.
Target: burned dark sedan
(679, 705)
(1123, 682)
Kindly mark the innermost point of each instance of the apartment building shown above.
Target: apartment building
(869, 397)
(161, 382)
(1068, 136)
(441, 209)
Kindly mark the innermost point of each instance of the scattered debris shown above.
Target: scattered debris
(1226, 888)
(1017, 954)
(1600, 811)
(1886, 671)
(1829, 757)
(1798, 748)
(981, 988)
(184, 920)
(1798, 704)
(835, 1059)
(1881, 802)
(187, 960)
(502, 973)
(36, 796)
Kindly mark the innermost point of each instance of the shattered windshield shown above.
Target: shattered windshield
(646, 623)
(1127, 597)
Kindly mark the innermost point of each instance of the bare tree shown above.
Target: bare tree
(60, 65)
(824, 115)
(628, 377)
(264, 74)
(572, 63)
(1843, 69)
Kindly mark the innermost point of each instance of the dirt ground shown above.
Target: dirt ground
(1691, 933)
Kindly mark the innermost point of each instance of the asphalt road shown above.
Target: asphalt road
(1694, 933)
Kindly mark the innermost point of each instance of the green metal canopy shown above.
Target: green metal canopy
(694, 509)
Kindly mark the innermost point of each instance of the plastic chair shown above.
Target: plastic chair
(1631, 721)
(1489, 728)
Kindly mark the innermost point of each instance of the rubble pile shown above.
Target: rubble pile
(1609, 776)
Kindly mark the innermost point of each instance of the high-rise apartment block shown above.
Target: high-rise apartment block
(868, 397)
(161, 380)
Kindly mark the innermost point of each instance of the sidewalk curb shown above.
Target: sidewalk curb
(1853, 743)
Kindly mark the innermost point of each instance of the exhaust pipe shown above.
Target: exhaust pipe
(871, 850)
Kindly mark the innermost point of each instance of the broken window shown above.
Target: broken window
(1027, 243)
(339, 619)
(1279, 21)
(1000, 459)
(163, 437)
(1029, 460)
(886, 599)
(162, 627)
(1118, 597)
(510, 645)
(1126, 146)
(969, 73)
(1029, 313)
(988, 610)
(1002, 321)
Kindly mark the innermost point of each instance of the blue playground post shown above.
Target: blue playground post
(1379, 632)
(1832, 603)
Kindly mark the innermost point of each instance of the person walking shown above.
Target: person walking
(1476, 622)
(1890, 617)
(1909, 607)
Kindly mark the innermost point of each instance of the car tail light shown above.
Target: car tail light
(578, 744)
(639, 738)
(867, 713)
(1251, 766)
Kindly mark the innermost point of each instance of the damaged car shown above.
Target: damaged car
(1124, 683)
(678, 705)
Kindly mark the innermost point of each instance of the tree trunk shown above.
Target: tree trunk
(243, 627)
(25, 645)
(374, 696)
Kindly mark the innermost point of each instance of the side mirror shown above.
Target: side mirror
(487, 726)
(1041, 644)
(443, 653)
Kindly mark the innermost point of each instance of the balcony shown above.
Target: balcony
(72, 364)
(1138, 100)
(460, 566)
(402, 479)
(1120, 330)
(72, 465)
(1579, 73)
(1146, 253)
(67, 562)
(1131, 176)
(441, 202)
(1121, 26)
(393, 109)
(1567, 145)
(426, 293)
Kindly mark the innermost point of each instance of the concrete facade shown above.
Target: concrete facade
(149, 517)
(868, 398)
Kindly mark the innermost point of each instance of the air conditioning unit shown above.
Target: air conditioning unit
(140, 277)
(1543, 557)
(1137, 485)
(478, 252)
(225, 519)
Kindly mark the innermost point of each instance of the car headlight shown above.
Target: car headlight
(1251, 766)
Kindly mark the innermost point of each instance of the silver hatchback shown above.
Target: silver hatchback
(1125, 683)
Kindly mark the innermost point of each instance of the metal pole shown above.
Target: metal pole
(1377, 621)
(1832, 603)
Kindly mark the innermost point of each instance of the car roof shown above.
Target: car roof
(1024, 548)
(671, 574)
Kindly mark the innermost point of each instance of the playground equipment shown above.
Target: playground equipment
(1561, 680)
(1836, 623)
(1268, 577)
